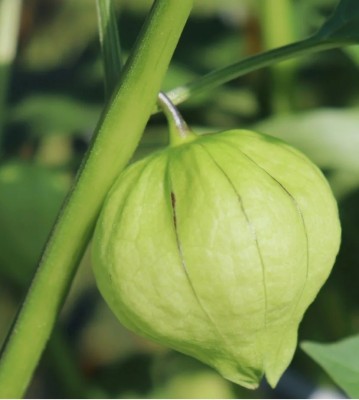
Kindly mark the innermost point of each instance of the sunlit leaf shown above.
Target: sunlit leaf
(329, 137)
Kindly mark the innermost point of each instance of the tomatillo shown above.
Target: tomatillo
(216, 246)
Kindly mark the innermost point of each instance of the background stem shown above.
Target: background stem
(278, 28)
(10, 12)
(110, 44)
(118, 134)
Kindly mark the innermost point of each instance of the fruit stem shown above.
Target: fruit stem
(180, 132)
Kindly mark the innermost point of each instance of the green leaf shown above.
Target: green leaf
(343, 24)
(340, 360)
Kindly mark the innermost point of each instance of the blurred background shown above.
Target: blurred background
(54, 100)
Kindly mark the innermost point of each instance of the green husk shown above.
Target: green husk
(216, 248)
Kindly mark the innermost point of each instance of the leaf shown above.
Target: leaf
(340, 360)
(343, 24)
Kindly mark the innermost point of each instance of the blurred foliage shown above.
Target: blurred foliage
(48, 114)
(55, 99)
(30, 199)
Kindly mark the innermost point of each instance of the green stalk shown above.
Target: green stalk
(118, 134)
(250, 64)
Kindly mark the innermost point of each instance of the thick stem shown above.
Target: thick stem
(223, 75)
(118, 134)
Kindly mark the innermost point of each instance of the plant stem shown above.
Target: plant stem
(118, 134)
(223, 75)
